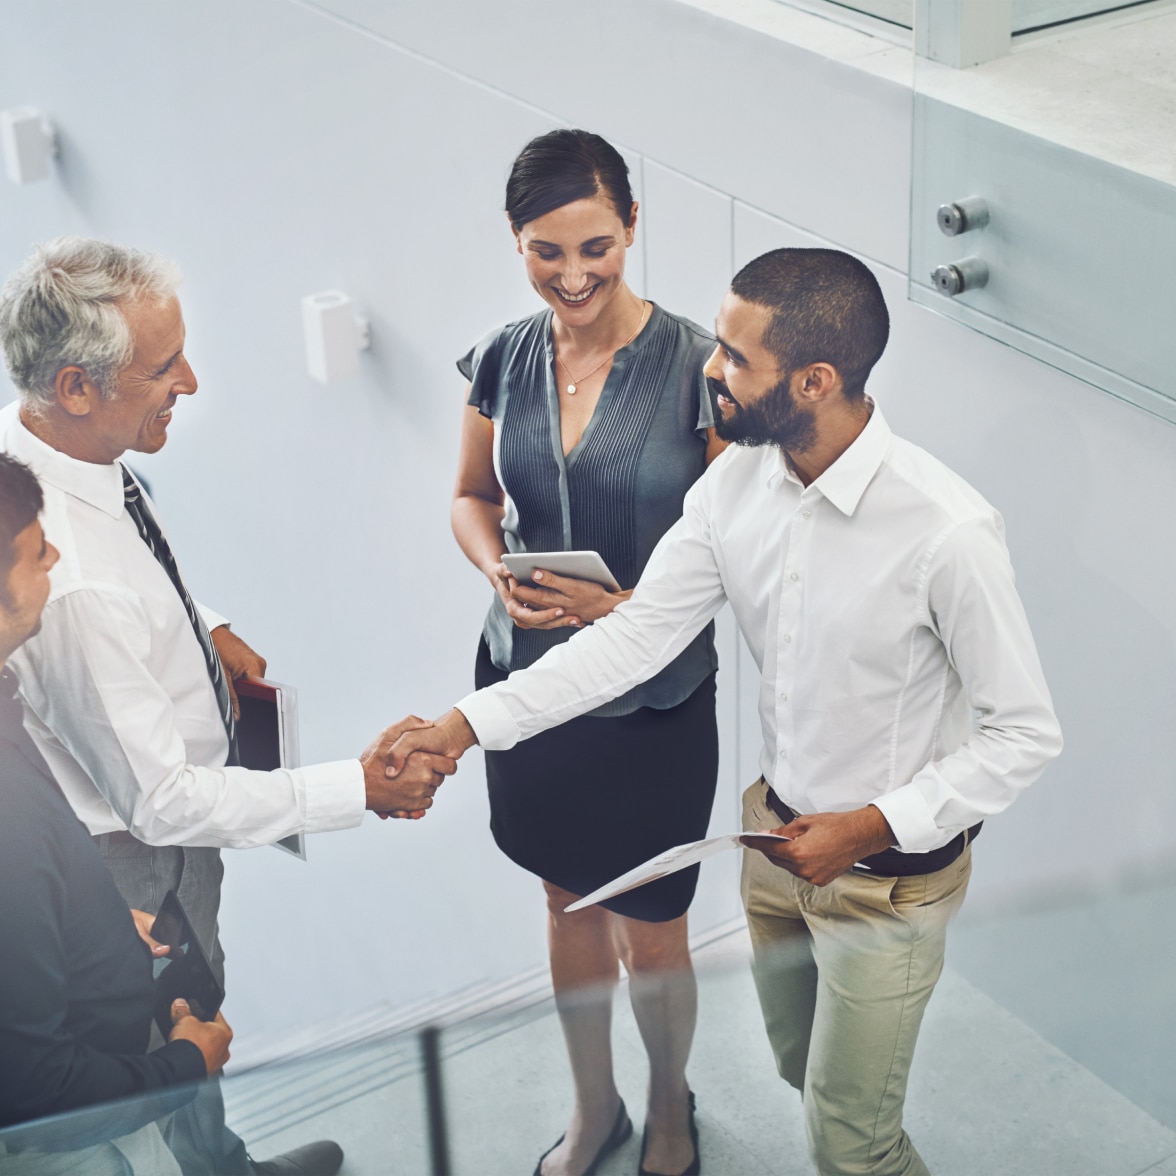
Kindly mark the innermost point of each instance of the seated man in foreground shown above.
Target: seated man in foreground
(901, 698)
(76, 990)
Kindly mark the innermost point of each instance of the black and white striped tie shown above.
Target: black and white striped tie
(151, 534)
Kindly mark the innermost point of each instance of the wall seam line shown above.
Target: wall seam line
(424, 58)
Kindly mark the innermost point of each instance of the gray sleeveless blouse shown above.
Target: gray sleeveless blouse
(617, 492)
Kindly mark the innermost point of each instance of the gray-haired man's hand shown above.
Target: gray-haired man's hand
(409, 793)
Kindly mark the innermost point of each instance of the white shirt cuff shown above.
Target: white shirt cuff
(335, 795)
(491, 720)
(212, 620)
(912, 825)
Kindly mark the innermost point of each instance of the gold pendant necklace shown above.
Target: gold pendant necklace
(573, 382)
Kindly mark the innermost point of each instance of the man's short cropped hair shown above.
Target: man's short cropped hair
(827, 307)
(61, 308)
(20, 503)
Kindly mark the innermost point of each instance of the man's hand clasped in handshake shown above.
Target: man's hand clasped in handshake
(401, 778)
(406, 765)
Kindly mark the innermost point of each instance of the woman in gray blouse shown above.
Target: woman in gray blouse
(587, 423)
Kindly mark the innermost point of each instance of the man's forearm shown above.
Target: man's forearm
(615, 654)
(67, 1078)
(244, 809)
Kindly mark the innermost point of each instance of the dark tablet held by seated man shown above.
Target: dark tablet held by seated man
(184, 973)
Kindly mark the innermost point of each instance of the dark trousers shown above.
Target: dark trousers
(196, 1134)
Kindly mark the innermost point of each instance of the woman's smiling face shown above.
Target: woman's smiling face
(575, 256)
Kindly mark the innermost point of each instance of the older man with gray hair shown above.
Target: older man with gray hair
(127, 689)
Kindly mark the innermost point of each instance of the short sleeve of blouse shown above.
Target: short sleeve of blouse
(481, 366)
(702, 343)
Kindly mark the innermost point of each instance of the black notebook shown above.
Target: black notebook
(185, 971)
(267, 736)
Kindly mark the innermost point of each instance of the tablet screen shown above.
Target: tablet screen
(185, 971)
(581, 565)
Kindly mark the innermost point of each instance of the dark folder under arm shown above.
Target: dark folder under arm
(267, 736)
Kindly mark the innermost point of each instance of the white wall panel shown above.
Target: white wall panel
(687, 242)
(635, 260)
(774, 124)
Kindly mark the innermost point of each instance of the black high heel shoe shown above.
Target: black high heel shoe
(695, 1166)
(622, 1128)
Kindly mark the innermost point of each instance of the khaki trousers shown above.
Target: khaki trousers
(844, 973)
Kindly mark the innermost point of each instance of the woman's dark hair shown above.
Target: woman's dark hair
(562, 166)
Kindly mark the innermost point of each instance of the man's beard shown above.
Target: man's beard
(774, 419)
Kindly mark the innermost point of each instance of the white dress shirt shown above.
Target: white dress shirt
(896, 663)
(117, 695)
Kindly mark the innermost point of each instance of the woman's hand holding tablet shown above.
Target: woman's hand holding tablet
(556, 589)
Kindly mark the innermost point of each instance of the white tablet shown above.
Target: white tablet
(579, 565)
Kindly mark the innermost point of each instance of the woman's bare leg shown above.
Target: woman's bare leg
(664, 995)
(584, 973)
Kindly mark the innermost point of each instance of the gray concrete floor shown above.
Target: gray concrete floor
(989, 1096)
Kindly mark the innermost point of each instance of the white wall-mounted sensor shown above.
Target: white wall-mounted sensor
(29, 142)
(335, 335)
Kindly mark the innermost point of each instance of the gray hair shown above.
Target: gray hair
(61, 308)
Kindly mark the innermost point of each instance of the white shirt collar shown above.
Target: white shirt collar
(845, 481)
(99, 485)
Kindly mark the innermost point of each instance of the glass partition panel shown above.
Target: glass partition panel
(1043, 203)
(900, 12)
(1044, 1050)
(1085, 965)
(997, 1086)
(1027, 16)
(370, 1098)
(1031, 15)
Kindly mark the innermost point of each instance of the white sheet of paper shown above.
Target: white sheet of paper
(669, 862)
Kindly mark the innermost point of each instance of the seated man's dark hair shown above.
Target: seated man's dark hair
(20, 503)
(827, 307)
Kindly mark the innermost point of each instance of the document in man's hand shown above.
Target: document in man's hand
(669, 862)
(267, 736)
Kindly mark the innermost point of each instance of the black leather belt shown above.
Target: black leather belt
(893, 863)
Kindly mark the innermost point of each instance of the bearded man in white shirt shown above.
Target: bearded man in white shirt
(901, 699)
(127, 689)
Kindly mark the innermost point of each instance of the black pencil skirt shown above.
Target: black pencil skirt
(584, 802)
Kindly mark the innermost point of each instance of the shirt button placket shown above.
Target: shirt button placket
(791, 595)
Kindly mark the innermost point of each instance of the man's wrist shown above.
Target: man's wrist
(491, 724)
(459, 735)
(878, 831)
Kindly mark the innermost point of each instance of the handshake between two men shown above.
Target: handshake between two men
(407, 764)
(404, 767)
